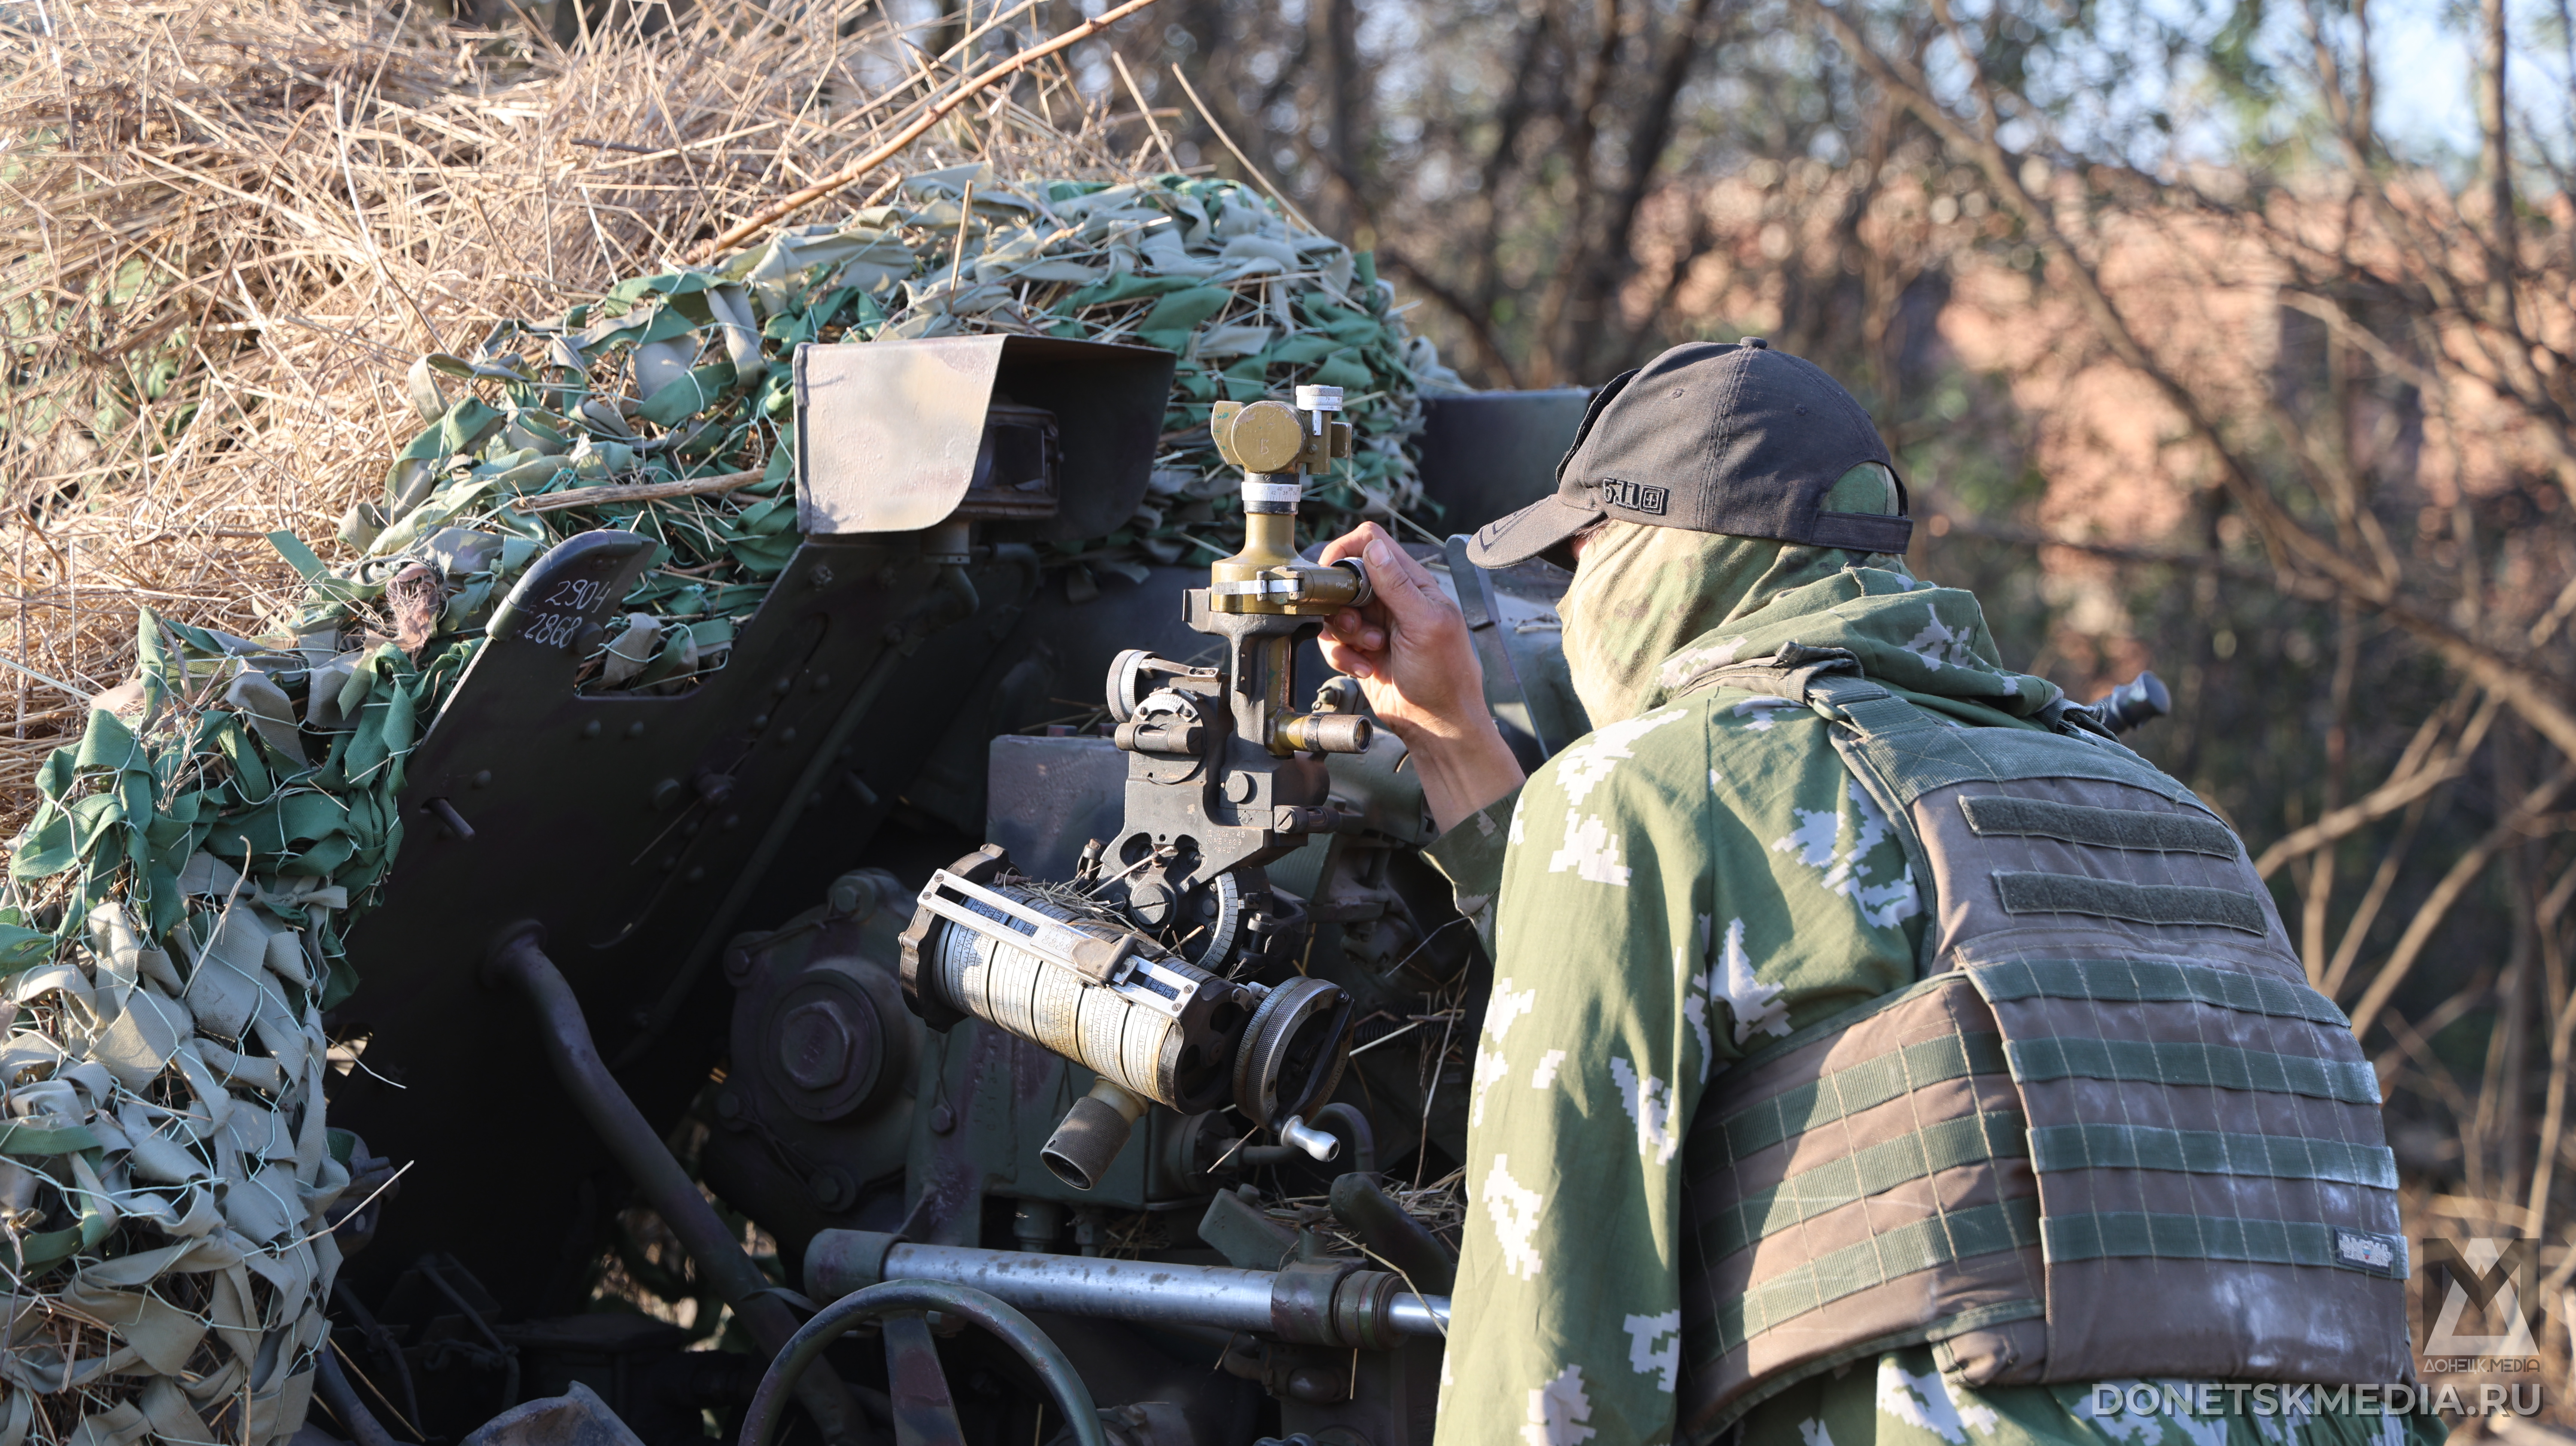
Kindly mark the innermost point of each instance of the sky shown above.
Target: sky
(2424, 50)
(2425, 101)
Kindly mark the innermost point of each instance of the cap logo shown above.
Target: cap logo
(1633, 496)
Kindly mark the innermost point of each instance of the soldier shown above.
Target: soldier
(1839, 970)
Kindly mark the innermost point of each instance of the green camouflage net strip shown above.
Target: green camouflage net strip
(684, 375)
(173, 913)
(169, 940)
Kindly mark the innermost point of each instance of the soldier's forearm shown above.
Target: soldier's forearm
(1463, 771)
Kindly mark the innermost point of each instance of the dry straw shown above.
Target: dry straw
(231, 228)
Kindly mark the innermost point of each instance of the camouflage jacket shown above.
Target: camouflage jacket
(1661, 899)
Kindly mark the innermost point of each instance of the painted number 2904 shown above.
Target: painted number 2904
(576, 593)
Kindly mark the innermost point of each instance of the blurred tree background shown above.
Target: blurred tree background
(2216, 336)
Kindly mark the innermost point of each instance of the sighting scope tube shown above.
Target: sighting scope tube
(1153, 1027)
(1322, 1302)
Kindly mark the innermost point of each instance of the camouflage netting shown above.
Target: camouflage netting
(169, 945)
(172, 923)
(684, 375)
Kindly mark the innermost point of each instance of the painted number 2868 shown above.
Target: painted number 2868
(552, 630)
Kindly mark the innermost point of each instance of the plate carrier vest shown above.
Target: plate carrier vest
(2110, 1132)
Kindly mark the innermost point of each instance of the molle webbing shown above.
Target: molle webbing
(1858, 1164)
(2110, 828)
(1889, 1255)
(1850, 1090)
(2134, 1234)
(1872, 1170)
(2210, 1152)
(2111, 1113)
(2175, 1062)
(2240, 1158)
(2132, 981)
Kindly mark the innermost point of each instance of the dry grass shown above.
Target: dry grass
(231, 227)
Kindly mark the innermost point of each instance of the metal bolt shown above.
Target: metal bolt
(781, 686)
(1241, 787)
(696, 875)
(853, 894)
(832, 1187)
(1151, 903)
(1316, 1384)
(814, 1045)
(759, 720)
(786, 735)
(821, 576)
(445, 813)
(665, 793)
(731, 821)
(635, 729)
(590, 729)
(942, 1119)
(483, 779)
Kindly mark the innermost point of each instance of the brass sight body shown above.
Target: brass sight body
(1277, 446)
(1269, 577)
(1273, 437)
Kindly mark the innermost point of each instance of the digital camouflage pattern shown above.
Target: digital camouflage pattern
(1697, 877)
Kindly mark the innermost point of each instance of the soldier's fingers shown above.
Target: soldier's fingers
(1413, 599)
(1345, 659)
(1352, 543)
(1350, 626)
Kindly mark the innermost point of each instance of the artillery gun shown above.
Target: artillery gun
(1067, 1057)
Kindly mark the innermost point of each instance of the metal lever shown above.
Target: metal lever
(1006, 920)
(1295, 1131)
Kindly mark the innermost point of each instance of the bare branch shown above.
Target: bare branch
(2377, 804)
(2463, 872)
(2521, 687)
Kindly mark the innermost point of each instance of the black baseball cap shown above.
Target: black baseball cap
(1735, 439)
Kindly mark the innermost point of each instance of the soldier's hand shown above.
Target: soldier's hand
(1410, 651)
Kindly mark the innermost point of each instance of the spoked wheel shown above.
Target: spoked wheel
(924, 1413)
